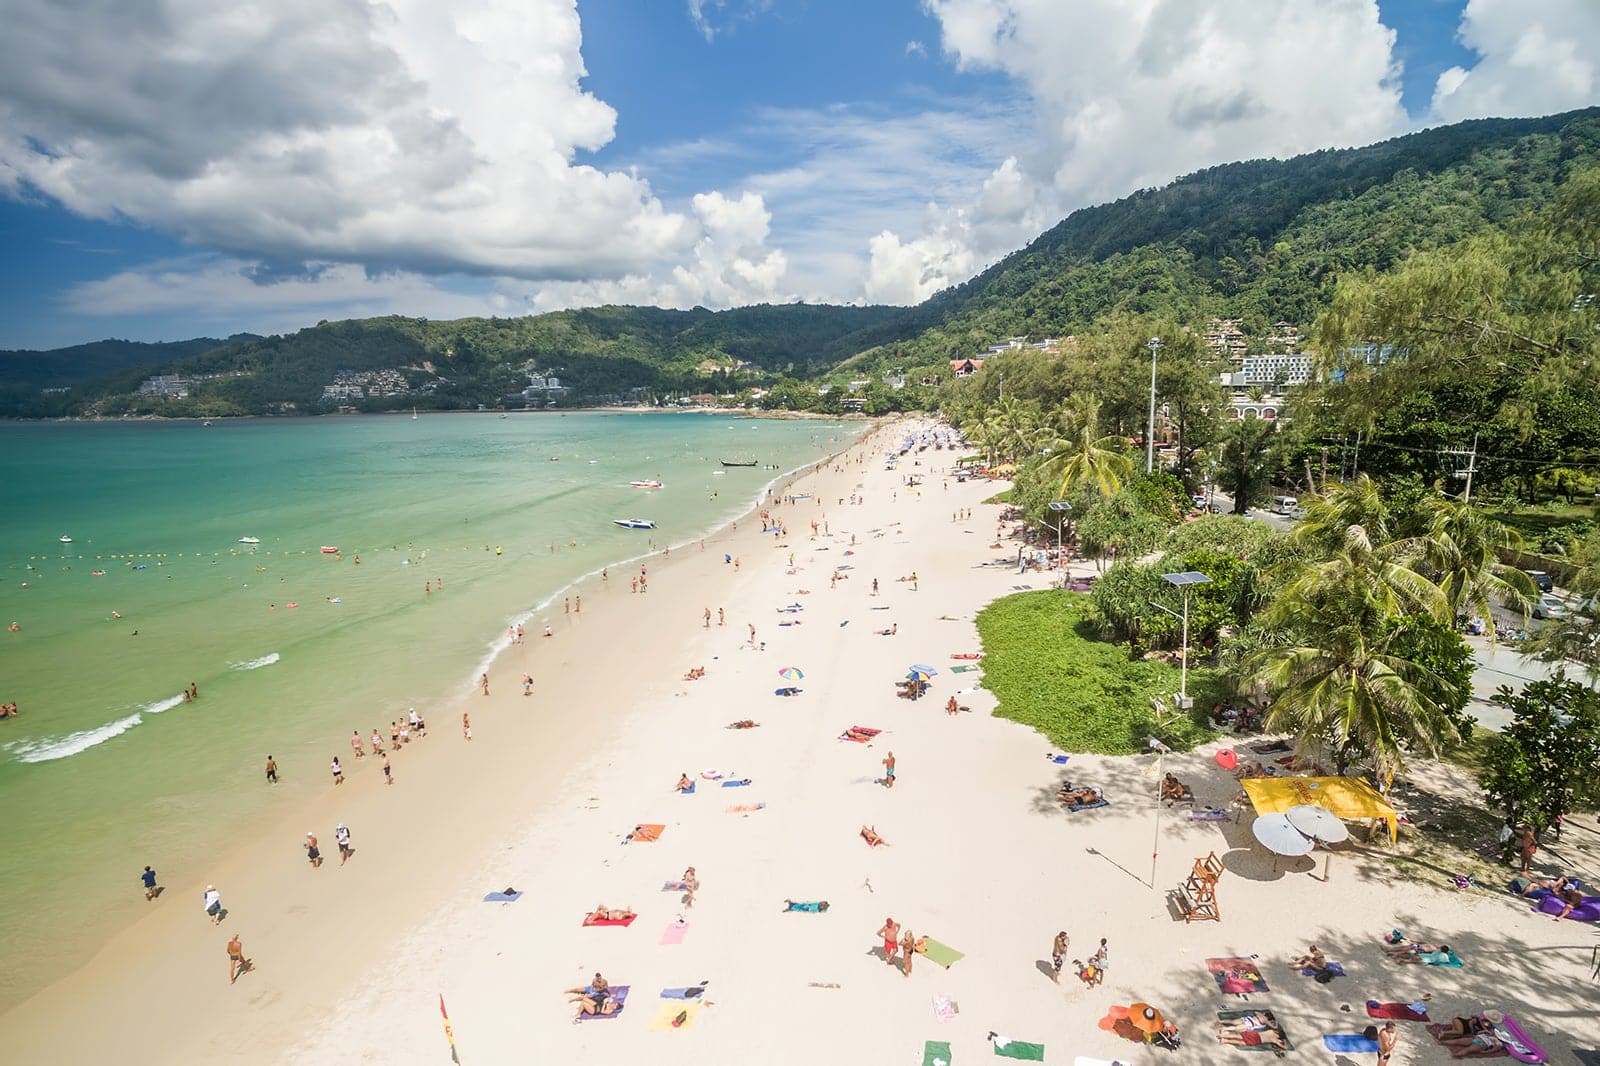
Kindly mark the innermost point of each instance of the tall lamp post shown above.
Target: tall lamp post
(1061, 507)
(1184, 580)
(1150, 429)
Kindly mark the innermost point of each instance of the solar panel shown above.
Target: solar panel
(1187, 577)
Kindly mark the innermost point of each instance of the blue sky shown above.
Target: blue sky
(713, 151)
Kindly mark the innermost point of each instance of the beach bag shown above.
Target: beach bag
(1370, 1032)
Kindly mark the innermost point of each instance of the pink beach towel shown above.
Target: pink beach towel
(675, 932)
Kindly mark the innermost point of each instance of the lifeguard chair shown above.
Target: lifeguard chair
(1197, 899)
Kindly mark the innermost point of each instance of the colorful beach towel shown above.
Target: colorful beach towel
(502, 897)
(589, 920)
(674, 886)
(1448, 959)
(744, 808)
(1101, 802)
(675, 1016)
(1331, 969)
(645, 834)
(1207, 814)
(619, 996)
(936, 1053)
(1252, 1030)
(1400, 1012)
(944, 1008)
(943, 954)
(865, 734)
(1440, 1030)
(1349, 1042)
(1237, 977)
(1018, 1049)
(810, 907)
(676, 930)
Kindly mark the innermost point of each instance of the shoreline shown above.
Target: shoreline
(140, 937)
(741, 412)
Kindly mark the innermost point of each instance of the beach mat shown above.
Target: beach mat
(1101, 802)
(744, 808)
(588, 920)
(1440, 1029)
(1451, 961)
(687, 791)
(645, 833)
(1236, 976)
(687, 992)
(1059, 760)
(1349, 1042)
(1400, 1012)
(1336, 969)
(502, 897)
(666, 1019)
(736, 784)
(1018, 1049)
(1208, 814)
(675, 932)
(944, 1008)
(619, 995)
(936, 1053)
(943, 954)
(674, 886)
(965, 668)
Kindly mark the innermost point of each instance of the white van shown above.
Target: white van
(1285, 504)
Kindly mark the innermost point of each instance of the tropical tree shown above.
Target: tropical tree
(1547, 760)
(1245, 461)
(1084, 457)
(1460, 552)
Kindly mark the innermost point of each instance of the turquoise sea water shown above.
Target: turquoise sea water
(108, 768)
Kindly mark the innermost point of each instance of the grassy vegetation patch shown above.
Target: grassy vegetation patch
(1043, 662)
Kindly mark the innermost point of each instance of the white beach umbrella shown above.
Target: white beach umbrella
(1279, 836)
(1318, 823)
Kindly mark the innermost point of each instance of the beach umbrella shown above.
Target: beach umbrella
(791, 673)
(1318, 823)
(1146, 1019)
(918, 675)
(920, 668)
(1279, 836)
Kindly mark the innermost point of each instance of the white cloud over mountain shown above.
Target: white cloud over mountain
(1536, 58)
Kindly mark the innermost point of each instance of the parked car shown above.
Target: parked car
(1549, 607)
(1541, 579)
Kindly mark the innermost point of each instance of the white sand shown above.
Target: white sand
(350, 962)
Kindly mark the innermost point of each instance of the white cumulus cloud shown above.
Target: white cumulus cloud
(1536, 57)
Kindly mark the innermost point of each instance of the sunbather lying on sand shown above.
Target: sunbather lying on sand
(1569, 898)
(684, 784)
(1475, 1042)
(1556, 885)
(1477, 1023)
(893, 630)
(603, 913)
(1256, 1029)
(1254, 769)
(745, 723)
(817, 906)
(1418, 952)
(1077, 797)
(857, 734)
(870, 835)
(695, 674)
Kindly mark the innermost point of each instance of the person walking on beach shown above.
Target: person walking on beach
(466, 725)
(484, 681)
(527, 684)
(722, 618)
(314, 855)
(213, 904)
(1530, 845)
(874, 586)
(394, 736)
(355, 743)
(1058, 951)
(752, 634)
(341, 836)
(338, 771)
(888, 770)
(388, 774)
(1388, 1039)
(237, 963)
(272, 771)
(1099, 960)
(707, 624)
(890, 933)
(148, 879)
(577, 605)
(377, 741)
(691, 885)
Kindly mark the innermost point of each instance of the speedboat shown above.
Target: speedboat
(249, 540)
(634, 523)
(64, 539)
(645, 484)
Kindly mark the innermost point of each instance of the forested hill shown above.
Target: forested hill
(1265, 239)
(25, 372)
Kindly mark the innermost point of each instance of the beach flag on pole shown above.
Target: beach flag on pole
(448, 1035)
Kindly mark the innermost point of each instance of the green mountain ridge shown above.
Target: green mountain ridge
(1261, 240)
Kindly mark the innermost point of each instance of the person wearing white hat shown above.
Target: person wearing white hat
(341, 834)
(213, 904)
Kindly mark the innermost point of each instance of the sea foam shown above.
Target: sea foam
(256, 664)
(46, 749)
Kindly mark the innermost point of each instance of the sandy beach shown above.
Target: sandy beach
(350, 961)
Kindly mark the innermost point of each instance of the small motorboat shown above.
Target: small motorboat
(645, 484)
(738, 462)
(249, 540)
(328, 550)
(634, 523)
(64, 539)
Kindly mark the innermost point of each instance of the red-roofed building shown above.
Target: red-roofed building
(962, 368)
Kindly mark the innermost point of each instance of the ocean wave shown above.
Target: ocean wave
(46, 749)
(162, 705)
(256, 664)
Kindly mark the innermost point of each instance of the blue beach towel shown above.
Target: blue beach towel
(691, 992)
(502, 897)
(1335, 968)
(736, 784)
(1349, 1042)
(1057, 759)
(687, 791)
(1102, 802)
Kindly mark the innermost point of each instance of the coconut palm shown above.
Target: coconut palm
(1085, 458)
(1460, 553)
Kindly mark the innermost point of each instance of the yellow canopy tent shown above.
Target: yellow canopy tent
(1347, 797)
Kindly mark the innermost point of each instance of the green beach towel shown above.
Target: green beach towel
(964, 669)
(1017, 1049)
(936, 1053)
(943, 954)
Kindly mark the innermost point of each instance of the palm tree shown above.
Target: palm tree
(1083, 456)
(1461, 552)
(1332, 675)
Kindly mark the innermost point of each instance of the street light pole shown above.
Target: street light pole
(1183, 580)
(1150, 428)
